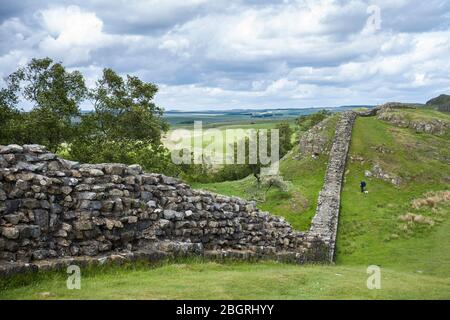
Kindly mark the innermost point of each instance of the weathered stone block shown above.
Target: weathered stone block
(10, 232)
(42, 218)
(83, 225)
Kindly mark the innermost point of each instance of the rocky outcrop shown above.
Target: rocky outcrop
(51, 208)
(315, 141)
(431, 126)
(379, 173)
(325, 222)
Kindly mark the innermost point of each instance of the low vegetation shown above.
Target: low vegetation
(390, 225)
(195, 279)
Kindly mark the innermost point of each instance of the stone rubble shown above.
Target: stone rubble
(314, 141)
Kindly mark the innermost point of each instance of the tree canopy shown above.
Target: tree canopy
(124, 126)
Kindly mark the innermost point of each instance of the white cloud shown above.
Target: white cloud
(72, 34)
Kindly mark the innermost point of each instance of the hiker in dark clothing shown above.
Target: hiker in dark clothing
(363, 186)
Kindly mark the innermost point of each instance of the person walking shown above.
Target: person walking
(363, 186)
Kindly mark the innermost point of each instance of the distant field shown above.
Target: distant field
(215, 118)
(180, 137)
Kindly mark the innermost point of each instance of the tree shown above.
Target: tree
(8, 113)
(285, 134)
(306, 122)
(126, 126)
(55, 95)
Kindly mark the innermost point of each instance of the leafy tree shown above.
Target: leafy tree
(8, 113)
(285, 134)
(55, 94)
(126, 125)
(306, 122)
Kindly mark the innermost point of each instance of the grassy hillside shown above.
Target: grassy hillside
(371, 230)
(402, 228)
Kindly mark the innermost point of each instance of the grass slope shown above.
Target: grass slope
(206, 280)
(370, 231)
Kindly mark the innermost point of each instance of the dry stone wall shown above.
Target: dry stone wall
(51, 208)
(325, 222)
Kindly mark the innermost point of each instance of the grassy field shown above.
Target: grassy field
(371, 229)
(414, 255)
(206, 280)
(183, 137)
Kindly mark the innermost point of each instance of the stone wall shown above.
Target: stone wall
(325, 222)
(51, 208)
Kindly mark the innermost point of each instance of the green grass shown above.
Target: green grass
(422, 114)
(369, 230)
(189, 134)
(415, 262)
(238, 280)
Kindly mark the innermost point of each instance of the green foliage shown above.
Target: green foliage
(306, 122)
(285, 134)
(125, 127)
(55, 95)
(9, 115)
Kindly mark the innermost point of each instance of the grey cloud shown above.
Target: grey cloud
(209, 54)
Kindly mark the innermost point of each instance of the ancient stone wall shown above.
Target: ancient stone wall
(325, 222)
(51, 208)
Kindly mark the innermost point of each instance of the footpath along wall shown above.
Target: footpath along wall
(53, 211)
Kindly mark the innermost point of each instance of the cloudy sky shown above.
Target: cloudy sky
(243, 54)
